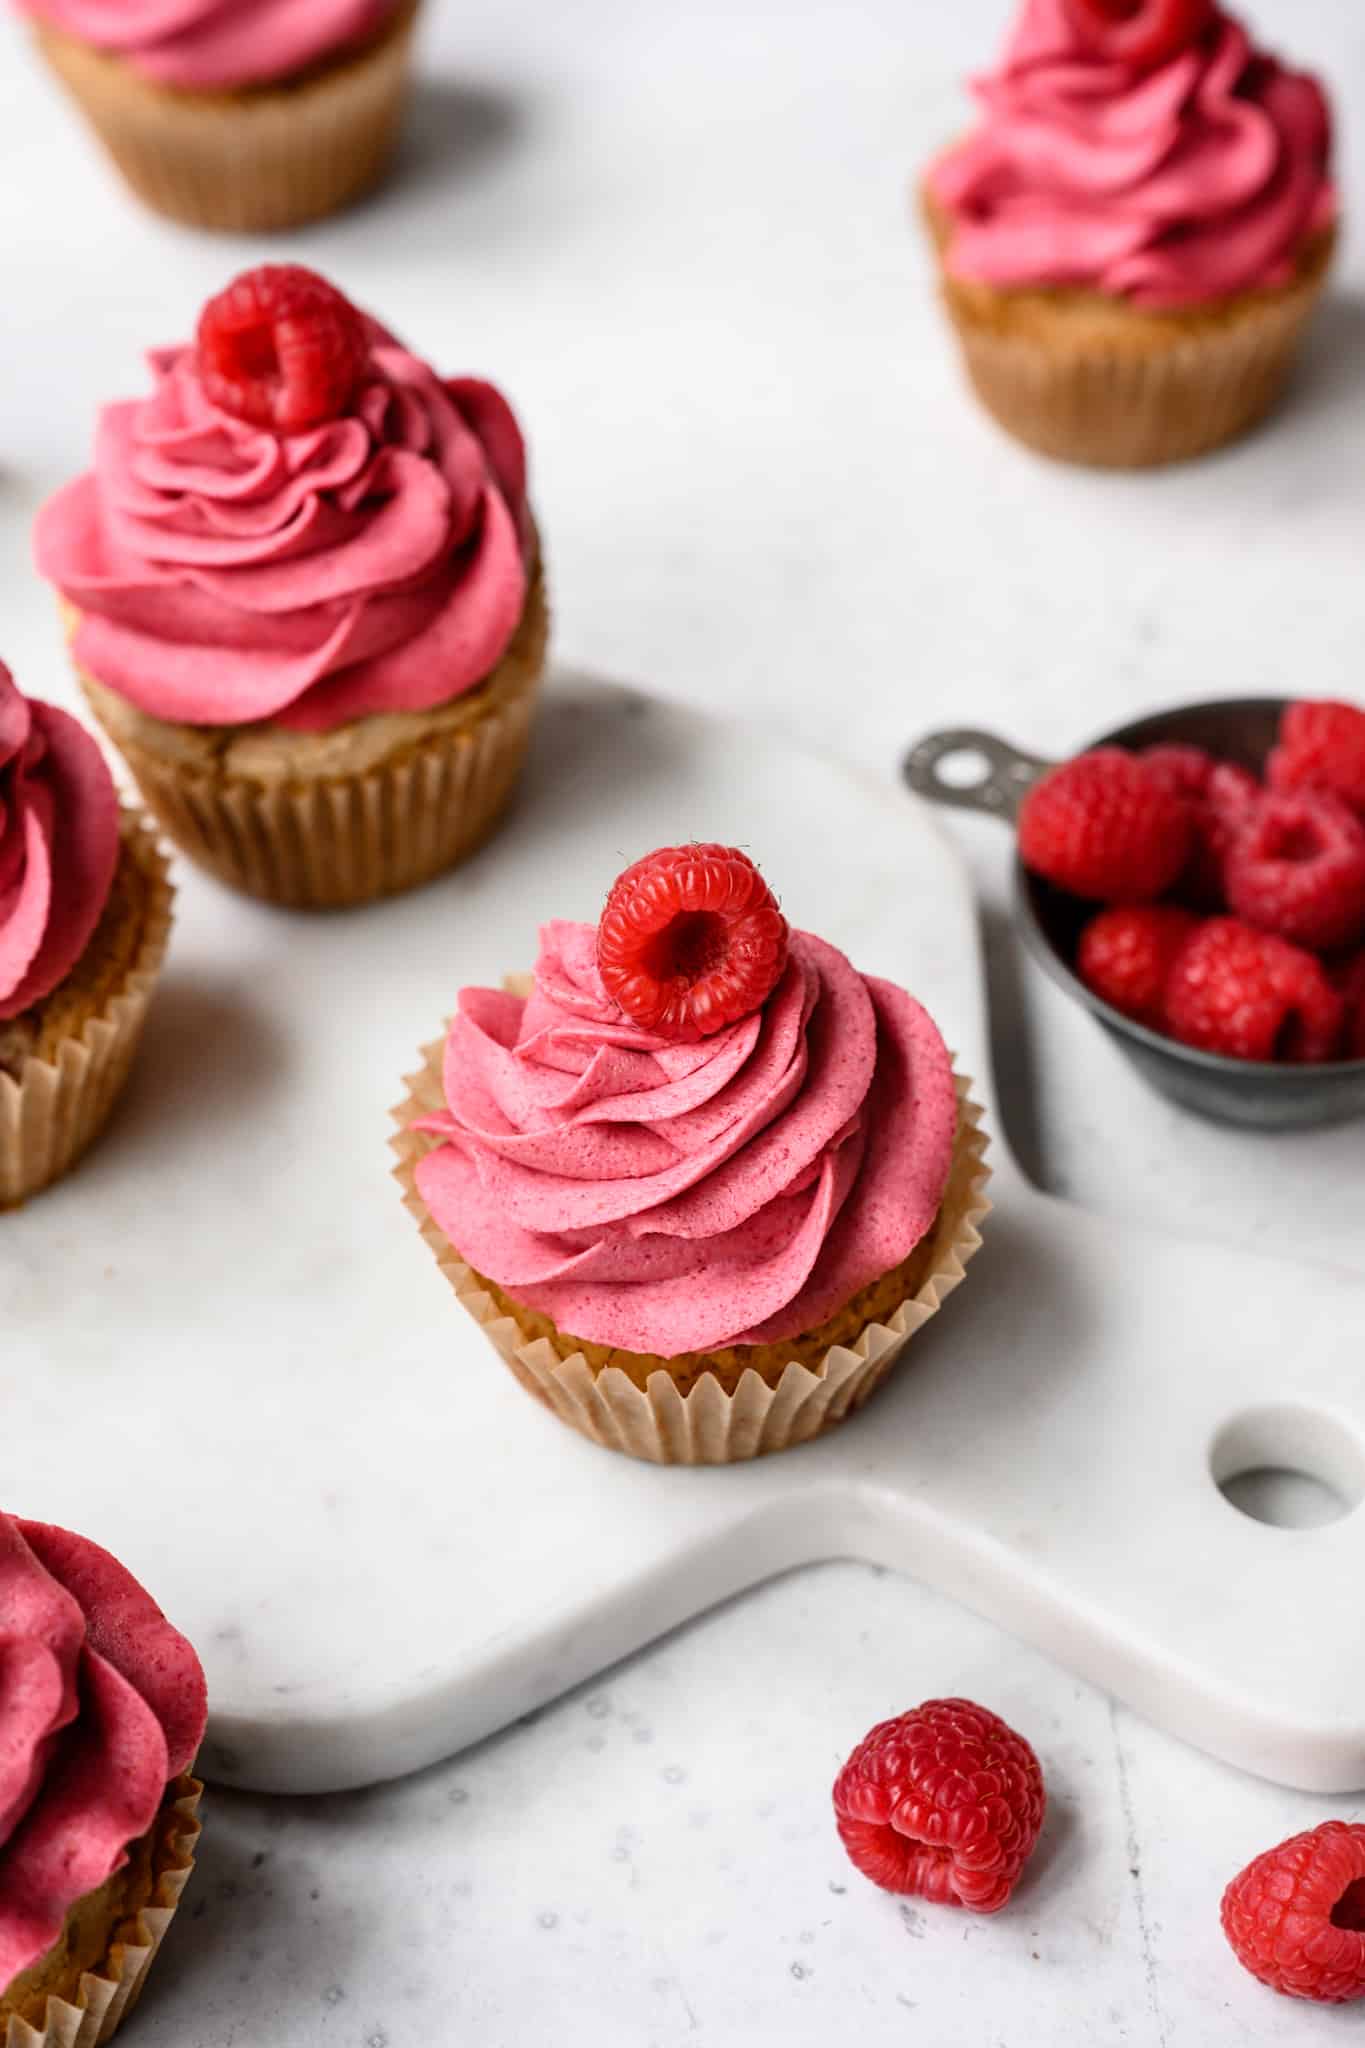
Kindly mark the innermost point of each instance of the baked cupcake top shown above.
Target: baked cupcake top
(216, 45)
(699, 1129)
(102, 1706)
(1142, 148)
(303, 524)
(59, 847)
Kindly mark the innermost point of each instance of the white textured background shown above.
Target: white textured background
(678, 237)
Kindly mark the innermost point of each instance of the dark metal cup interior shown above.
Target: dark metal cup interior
(1259, 1096)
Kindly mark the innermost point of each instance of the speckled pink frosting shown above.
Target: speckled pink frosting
(667, 1198)
(226, 575)
(102, 1704)
(1172, 186)
(215, 45)
(59, 845)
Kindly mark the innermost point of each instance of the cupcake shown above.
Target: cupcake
(1133, 240)
(102, 1711)
(305, 597)
(242, 115)
(701, 1180)
(85, 912)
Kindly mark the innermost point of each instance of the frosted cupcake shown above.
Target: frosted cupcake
(102, 1711)
(85, 912)
(705, 1180)
(244, 115)
(305, 596)
(1133, 240)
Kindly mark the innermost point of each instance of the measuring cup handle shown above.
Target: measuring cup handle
(998, 776)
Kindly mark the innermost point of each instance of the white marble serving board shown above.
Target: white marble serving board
(228, 1355)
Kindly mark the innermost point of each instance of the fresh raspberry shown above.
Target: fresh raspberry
(1296, 1915)
(1219, 816)
(1140, 32)
(691, 939)
(1219, 794)
(281, 348)
(945, 1802)
(1348, 976)
(1297, 869)
(1322, 747)
(1126, 956)
(1250, 996)
(1184, 771)
(1105, 827)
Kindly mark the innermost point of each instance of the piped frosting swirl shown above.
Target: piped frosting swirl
(1200, 177)
(667, 1197)
(102, 1705)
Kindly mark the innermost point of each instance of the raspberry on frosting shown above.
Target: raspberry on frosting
(1133, 157)
(216, 45)
(668, 1197)
(59, 846)
(102, 1706)
(1142, 33)
(226, 574)
(282, 348)
(691, 940)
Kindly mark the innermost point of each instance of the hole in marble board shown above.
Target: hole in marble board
(964, 768)
(1293, 1468)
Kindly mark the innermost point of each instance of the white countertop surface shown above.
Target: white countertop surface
(678, 237)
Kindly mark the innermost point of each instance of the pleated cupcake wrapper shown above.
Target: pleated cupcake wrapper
(1090, 400)
(249, 162)
(56, 1108)
(707, 1425)
(108, 1993)
(333, 843)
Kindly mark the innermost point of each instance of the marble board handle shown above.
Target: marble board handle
(999, 776)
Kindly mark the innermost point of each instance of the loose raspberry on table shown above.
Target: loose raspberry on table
(1104, 826)
(945, 1802)
(1322, 747)
(1297, 868)
(1126, 956)
(1250, 996)
(1296, 1915)
(282, 349)
(691, 939)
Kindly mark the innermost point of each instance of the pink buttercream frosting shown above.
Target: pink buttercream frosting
(666, 1198)
(102, 1705)
(216, 45)
(227, 575)
(1170, 186)
(59, 846)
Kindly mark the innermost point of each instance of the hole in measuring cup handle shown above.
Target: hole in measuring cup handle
(971, 770)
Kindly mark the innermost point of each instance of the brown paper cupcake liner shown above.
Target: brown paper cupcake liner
(55, 1108)
(707, 1425)
(1088, 381)
(334, 844)
(107, 1993)
(249, 162)
(388, 817)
